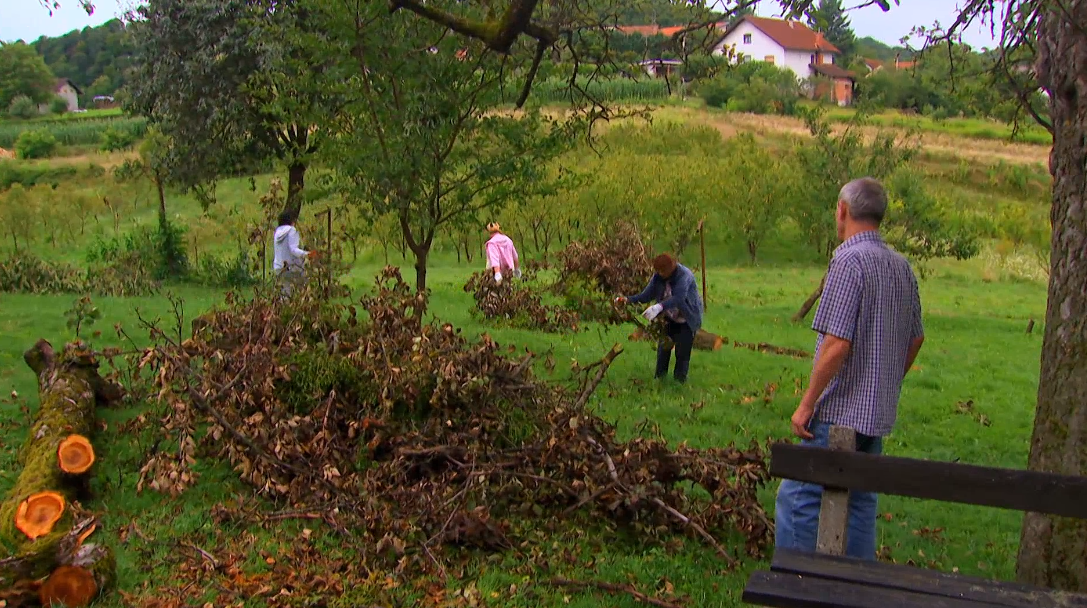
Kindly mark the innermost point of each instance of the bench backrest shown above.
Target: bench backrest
(1049, 493)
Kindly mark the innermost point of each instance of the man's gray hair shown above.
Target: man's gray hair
(866, 199)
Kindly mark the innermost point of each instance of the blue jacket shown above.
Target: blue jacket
(684, 295)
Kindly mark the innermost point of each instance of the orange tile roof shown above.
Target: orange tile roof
(791, 35)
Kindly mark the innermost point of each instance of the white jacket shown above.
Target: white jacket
(288, 253)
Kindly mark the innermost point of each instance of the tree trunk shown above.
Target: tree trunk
(422, 252)
(752, 250)
(162, 201)
(806, 307)
(1051, 550)
(69, 388)
(296, 181)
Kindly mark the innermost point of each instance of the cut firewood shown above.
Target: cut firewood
(75, 455)
(38, 529)
(39, 513)
(79, 579)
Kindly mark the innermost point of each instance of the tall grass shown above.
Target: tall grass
(73, 132)
(557, 90)
(976, 128)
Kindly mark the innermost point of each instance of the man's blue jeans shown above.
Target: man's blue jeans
(796, 513)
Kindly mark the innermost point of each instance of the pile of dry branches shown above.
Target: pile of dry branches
(364, 411)
(516, 302)
(593, 272)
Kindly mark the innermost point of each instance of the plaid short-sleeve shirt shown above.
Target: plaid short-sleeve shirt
(871, 299)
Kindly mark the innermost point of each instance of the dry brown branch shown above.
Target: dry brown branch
(615, 589)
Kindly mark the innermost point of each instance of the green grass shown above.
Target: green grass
(975, 314)
(71, 116)
(977, 128)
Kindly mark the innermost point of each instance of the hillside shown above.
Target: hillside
(94, 58)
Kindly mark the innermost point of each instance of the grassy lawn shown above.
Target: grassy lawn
(976, 351)
(975, 128)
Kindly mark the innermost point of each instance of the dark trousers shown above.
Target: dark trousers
(683, 339)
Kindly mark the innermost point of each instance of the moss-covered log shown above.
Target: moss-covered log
(69, 387)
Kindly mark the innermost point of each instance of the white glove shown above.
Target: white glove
(517, 273)
(498, 277)
(652, 312)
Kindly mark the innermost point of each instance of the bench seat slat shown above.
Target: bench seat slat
(921, 580)
(1029, 491)
(784, 590)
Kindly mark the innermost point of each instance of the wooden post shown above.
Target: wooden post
(834, 511)
(702, 238)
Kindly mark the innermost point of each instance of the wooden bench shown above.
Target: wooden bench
(827, 578)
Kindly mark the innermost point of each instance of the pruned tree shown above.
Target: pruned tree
(220, 79)
(427, 139)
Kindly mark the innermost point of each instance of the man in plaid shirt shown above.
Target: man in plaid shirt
(869, 332)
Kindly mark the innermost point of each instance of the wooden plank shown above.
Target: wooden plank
(922, 580)
(1064, 495)
(784, 590)
(834, 509)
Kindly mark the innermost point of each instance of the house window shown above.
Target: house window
(812, 59)
(769, 59)
(747, 38)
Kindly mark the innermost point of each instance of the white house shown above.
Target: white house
(788, 44)
(65, 88)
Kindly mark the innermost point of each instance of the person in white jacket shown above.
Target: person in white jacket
(290, 258)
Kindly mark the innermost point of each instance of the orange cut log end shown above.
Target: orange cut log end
(37, 515)
(75, 455)
(68, 586)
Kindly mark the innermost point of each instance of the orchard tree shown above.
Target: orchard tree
(427, 139)
(218, 78)
(23, 72)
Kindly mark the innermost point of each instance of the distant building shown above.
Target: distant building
(66, 89)
(792, 46)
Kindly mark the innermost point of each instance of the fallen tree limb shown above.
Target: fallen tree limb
(613, 588)
(774, 350)
(38, 523)
(591, 384)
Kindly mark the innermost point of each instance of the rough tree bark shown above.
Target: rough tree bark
(296, 181)
(1051, 551)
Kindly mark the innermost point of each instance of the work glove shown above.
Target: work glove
(652, 312)
(517, 273)
(498, 277)
(620, 300)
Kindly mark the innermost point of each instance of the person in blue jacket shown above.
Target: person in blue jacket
(675, 290)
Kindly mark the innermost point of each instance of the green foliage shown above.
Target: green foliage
(116, 140)
(313, 374)
(157, 253)
(83, 313)
(82, 132)
(59, 105)
(22, 106)
(763, 188)
(827, 161)
(224, 270)
(97, 57)
(753, 86)
(617, 89)
(829, 18)
(922, 226)
(23, 72)
(35, 144)
(29, 175)
(27, 273)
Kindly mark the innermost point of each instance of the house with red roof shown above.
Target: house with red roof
(793, 46)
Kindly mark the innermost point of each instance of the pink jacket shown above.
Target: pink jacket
(501, 253)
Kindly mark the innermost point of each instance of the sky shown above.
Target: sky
(28, 19)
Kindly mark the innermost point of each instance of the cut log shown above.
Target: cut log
(80, 578)
(38, 529)
(703, 340)
(75, 456)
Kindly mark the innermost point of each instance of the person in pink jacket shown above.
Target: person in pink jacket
(501, 254)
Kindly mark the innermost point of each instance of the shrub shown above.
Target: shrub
(753, 86)
(224, 271)
(30, 175)
(115, 140)
(35, 144)
(59, 105)
(154, 253)
(22, 107)
(25, 273)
